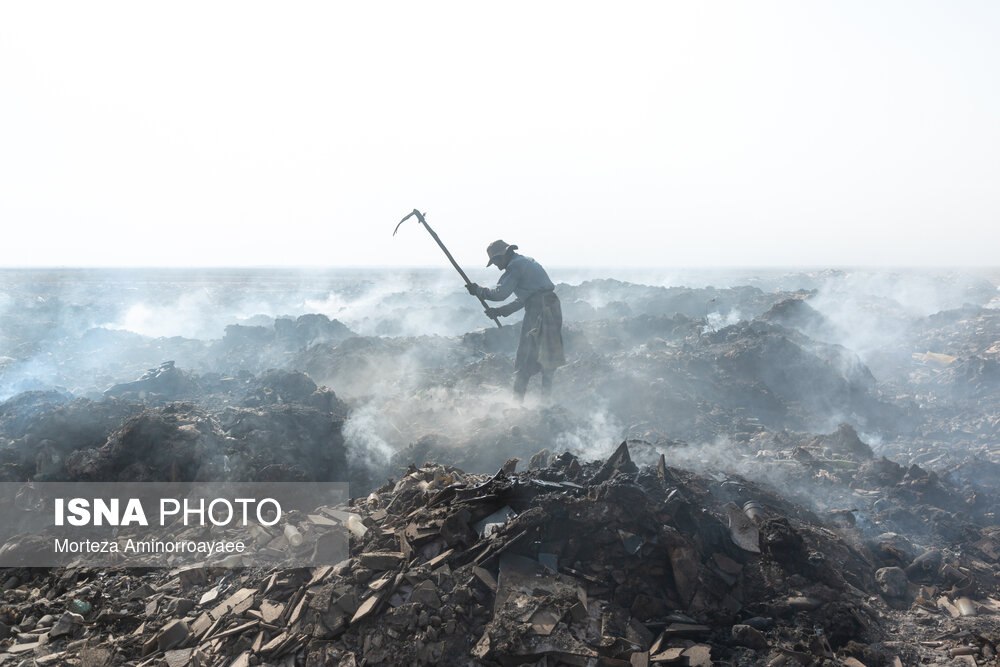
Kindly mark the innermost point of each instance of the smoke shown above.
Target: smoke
(460, 424)
(86, 330)
(725, 459)
(416, 303)
(717, 320)
(869, 310)
(436, 397)
(594, 437)
(372, 303)
(873, 439)
(191, 315)
(428, 377)
(365, 447)
(994, 303)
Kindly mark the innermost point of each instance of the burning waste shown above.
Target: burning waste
(728, 475)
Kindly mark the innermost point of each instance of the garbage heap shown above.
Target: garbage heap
(171, 425)
(567, 563)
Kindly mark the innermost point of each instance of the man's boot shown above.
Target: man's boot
(520, 385)
(547, 382)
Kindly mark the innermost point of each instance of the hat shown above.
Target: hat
(497, 250)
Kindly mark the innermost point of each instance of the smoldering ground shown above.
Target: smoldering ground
(681, 367)
(859, 403)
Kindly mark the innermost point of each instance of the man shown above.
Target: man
(540, 348)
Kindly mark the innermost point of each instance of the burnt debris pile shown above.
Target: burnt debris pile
(809, 474)
(567, 563)
(171, 425)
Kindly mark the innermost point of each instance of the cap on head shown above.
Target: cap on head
(497, 250)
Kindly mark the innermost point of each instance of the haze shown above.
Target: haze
(610, 134)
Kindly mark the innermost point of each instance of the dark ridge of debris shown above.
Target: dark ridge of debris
(572, 563)
(230, 428)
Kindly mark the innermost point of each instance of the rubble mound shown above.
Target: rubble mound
(165, 382)
(278, 426)
(285, 443)
(796, 313)
(808, 377)
(602, 563)
(182, 442)
(276, 387)
(19, 414)
(178, 442)
(256, 348)
(38, 430)
(311, 329)
(843, 441)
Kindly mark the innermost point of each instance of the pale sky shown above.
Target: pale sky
(655, 134)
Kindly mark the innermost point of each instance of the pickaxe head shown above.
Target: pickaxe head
(414, 212)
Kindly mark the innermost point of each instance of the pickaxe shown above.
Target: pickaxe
(423, 221)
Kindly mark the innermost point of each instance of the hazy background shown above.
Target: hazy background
(722, 133)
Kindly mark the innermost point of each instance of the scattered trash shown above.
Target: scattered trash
(621, 565)
(869, 543)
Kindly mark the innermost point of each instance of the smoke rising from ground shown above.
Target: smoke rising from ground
(695, 364)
